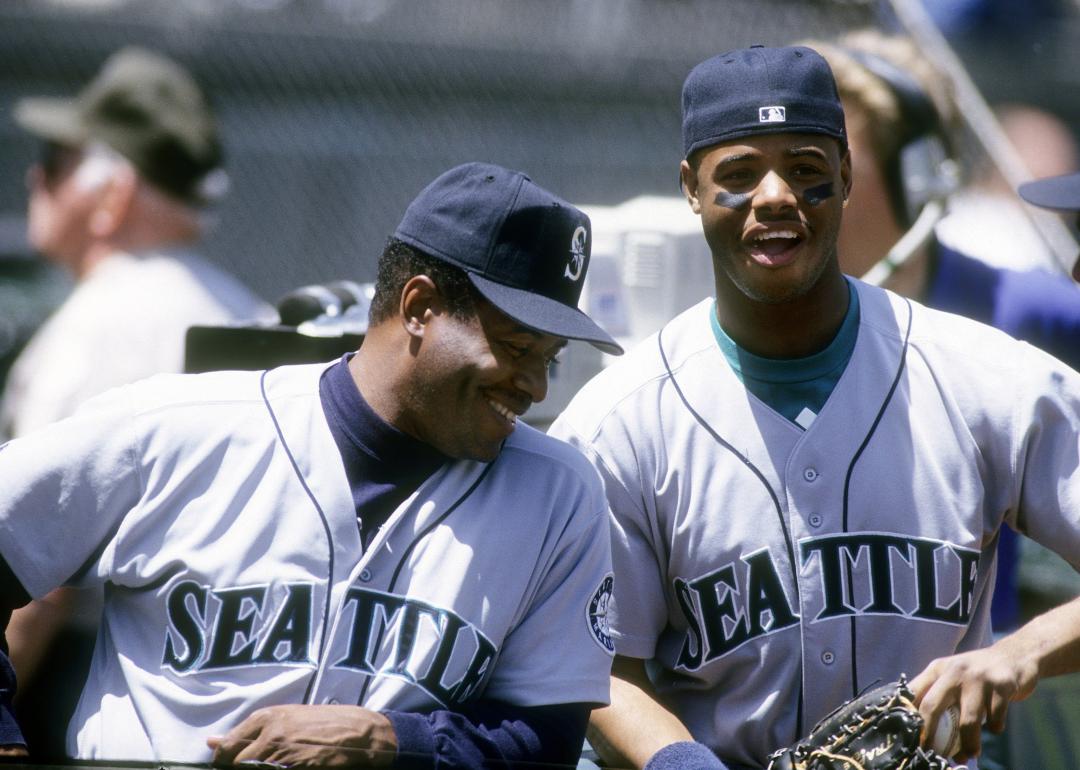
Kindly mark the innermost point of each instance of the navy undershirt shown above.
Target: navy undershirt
(384, 466)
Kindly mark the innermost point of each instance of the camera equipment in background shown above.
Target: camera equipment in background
(315, 323)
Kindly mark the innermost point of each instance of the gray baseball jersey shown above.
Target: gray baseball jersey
(773, 572)
(216, 512)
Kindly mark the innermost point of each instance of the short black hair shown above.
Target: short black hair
(399, 262)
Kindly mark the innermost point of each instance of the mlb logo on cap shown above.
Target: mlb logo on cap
(760, 90)
(772, 115)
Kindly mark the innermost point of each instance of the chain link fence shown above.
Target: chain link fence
(336, 112)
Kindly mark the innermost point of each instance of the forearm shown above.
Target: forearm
(1049, 644)
(32, 628)
(982, 683)
(492, 735)
(635, 726)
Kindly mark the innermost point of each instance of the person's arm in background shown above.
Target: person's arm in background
(636, 731)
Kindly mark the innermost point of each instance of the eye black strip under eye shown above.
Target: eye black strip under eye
(819, 194)
(734, 201)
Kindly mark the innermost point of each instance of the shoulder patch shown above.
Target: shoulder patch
(596, 614)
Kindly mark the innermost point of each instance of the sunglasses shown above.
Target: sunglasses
(56, 161)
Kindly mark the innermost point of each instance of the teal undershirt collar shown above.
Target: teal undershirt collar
(797, 388)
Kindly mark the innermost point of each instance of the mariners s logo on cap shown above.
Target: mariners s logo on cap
(517, 242)
(576, 264)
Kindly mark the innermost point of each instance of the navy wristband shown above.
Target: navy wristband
(415, 739)
(685, 755)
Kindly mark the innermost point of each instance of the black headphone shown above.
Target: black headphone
(921, 169)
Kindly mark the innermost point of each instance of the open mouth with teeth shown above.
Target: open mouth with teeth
(503, 411)
(774, 248)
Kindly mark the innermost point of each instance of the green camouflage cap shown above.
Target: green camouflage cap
(150, 110)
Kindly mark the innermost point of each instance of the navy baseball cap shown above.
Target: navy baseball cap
(524, 249)
(760, 90)
(1055, 192)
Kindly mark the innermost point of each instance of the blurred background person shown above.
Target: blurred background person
(902, 130)
(902, 127)
(119, 197)
(985, 217)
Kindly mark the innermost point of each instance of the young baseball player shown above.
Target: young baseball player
(808, 474)
(367, 562)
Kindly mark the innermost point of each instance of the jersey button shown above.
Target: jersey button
(331, 701)
(810, 474)
(827, 658)
(815, 520)
(365, 574)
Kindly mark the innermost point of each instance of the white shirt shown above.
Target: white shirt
(125, 320)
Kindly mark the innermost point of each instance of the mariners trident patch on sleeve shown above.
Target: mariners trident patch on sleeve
(597, 614)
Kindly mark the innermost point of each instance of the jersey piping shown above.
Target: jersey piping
(772, 493)
(753, 469)
(326, 528)
(847, 485)
(405, 555)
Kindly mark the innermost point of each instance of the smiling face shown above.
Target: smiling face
(770, 208)
(475, 375)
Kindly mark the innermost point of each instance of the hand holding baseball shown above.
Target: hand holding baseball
(945, 738)
(956, 695)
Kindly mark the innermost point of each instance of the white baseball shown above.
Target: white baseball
(946, 741)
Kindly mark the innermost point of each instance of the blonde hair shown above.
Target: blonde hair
(871, 101)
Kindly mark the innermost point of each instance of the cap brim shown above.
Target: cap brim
(56, 120)
(1056, 192)
(545, 315)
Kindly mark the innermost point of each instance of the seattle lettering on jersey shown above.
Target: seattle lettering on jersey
(219, 628)
(193, 643)
(893, 575)
(377, 615)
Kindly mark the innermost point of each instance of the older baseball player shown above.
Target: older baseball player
(128, 173)
(366, 562)
(808, 474)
